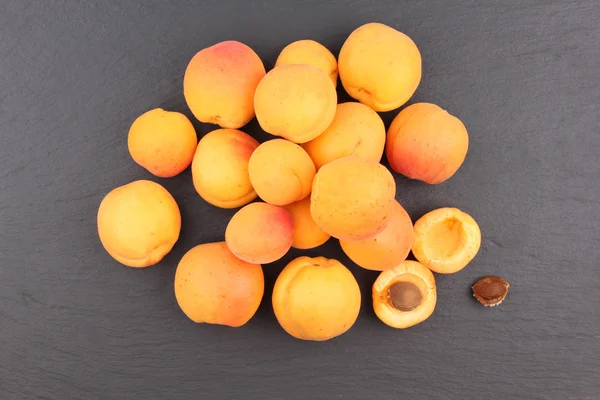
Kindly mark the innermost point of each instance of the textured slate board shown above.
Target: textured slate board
(523, 75)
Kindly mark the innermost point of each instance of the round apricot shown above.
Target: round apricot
(307, 234)
(281, 172)
(446, 240)
(213, 286)
(352, 198)
(220, 168)
(138, 223)
(260, 233)
(220, 82)
(386, 249)
(424, 142)
(316, 298)
(296, 102)
(310, 52)
(405, 295)
(379, 66)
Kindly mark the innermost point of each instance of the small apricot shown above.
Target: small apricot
(424, 142)
(213, 286)
(307, 234)
(281, 172)
(352, 198)
(163, 142)
(138, 223)
(446, 240)
(220, 168)
(260, 233)
(405, 295)
(356, 130)
(316, 298)
(220, 82)
(296, 102)
(386, 249)
(379, 66)
(310, 52)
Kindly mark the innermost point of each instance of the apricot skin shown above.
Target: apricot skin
(310, 52)
(352, 198)
(316, 298)
(220, 82)
(138, 223)
(379, 66)
(260, 233)
(424, 142)
(296, 102)
(386, 249)
(220, 168)
(356, 130)
(307, 234)
(163, 142)
(281, 172)
(213, 286)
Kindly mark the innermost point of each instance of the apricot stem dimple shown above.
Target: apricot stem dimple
(404, 296)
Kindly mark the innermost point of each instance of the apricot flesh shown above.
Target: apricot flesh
(214, 286)
(316, 298)
(405, 295)
(310, 52)
(446, 240)
(425, 142)
(138, 223)
(307, 234)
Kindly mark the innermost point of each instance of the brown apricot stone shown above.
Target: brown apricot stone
(491, 290)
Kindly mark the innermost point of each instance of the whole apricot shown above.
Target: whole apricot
(352, 198)
(138, 223)
(281, 172)
(356, 130)
(215, 287)
(379, 66)
(296, 102)
(386, 249)
(424, 142)
(446, 240)
(316, 298)
(405, 295)
(260, 233)
(163, 142)
(220, 168)
(310, 52)
(220, 82)
(307, 234)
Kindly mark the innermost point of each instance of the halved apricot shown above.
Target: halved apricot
(446, 240)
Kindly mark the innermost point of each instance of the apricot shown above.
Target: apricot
(446, 240)
(316, 298)
(281, 172)
(379, 66)
(356, 130)
(138, 223)
(220, 168)
(260, 233)
(220, 82)
(213, 286)
(310, 52)
(424, 142)
(405, 295)
(352, 198)
(163, 142)
(386, 249)
(296, 102)
(307, 234)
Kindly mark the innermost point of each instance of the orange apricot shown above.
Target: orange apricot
(424, 142)
(405, 295)
(307, 234)
(316, 298)
(213, 286)
(138, 223)
(310, 52)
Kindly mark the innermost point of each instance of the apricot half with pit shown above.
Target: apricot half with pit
(446, 240)
(405, 295)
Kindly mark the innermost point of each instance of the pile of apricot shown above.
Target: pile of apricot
(319, 177)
